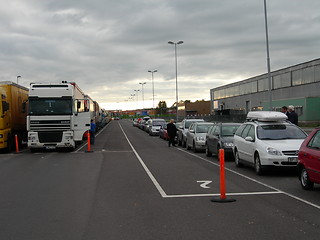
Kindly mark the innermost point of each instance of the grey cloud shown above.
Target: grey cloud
(107, 47)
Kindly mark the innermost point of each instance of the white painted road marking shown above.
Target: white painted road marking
(218, 194)
(155, 182)
(86, 143)
(204, 184)
(162, 192)
(164, 195)
(256, 181)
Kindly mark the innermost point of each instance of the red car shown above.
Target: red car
(309, 160)
(163, 133)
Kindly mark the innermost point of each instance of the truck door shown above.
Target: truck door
(81, 120)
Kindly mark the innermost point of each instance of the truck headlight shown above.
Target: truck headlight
(1, 135)
(273, 151)
(68, 136)
(32, 137)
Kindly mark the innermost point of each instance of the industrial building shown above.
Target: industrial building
(298, 85)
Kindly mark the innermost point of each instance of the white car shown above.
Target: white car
(196, 136)
(267, 140)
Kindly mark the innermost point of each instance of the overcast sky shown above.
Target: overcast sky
(108, 46)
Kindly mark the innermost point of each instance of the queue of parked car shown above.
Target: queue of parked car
(266, 140)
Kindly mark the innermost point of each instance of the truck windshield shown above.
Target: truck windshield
(50, 106)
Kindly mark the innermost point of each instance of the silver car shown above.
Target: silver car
(196, 136)
(183, 129)
(154, 126)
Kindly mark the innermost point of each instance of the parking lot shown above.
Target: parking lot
(132, 186)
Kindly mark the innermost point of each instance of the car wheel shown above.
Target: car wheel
(305, 180)
(184, 144)
(187, 145)
(194, 148)
(257, 165)
(33, 150)
(208, 153)
(218, 153)
(237, 159)
(9, 144)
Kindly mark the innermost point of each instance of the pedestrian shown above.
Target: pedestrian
(284, 110)
(172, 132)
(292, 115)
(92, 131)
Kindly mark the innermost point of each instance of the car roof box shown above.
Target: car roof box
(266, 116)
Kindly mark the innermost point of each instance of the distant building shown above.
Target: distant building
(197, 108)
(297, 85)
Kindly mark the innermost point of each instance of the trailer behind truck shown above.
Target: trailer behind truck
(13, 112)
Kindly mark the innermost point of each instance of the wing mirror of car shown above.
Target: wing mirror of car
(249, 139)
(192, 131)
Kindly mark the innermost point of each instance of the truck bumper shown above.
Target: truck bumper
(51, 140)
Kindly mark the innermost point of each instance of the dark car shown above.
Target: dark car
(309, 160)
(220, 136)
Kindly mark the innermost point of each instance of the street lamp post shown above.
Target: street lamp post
(268, 55)
(137, 97)
(132, 98)
(18, 78)
(152, 84)
(176, 61)
(142, 83)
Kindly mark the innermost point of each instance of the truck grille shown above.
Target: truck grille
(40, 125)
(52, 137)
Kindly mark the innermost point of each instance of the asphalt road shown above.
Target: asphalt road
(133, 186)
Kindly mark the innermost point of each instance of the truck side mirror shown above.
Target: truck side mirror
(24, 107)
(5, 106)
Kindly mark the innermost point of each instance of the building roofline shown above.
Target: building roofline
(261, 76)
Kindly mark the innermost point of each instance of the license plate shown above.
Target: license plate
(292, 159)
(50, 147)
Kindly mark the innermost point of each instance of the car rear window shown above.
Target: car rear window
(203, 128)
(158, 123)
(188, 123)
(229, 130)
(315, 141)
(279, 131)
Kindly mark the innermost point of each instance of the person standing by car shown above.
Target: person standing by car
(292, 115)
(284, 110)
(172, 131)
(92, 131)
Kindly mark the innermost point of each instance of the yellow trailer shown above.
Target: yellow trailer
(13, 112)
